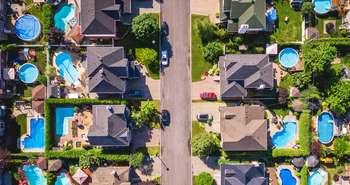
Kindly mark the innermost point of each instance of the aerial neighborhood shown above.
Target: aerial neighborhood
(175, 92)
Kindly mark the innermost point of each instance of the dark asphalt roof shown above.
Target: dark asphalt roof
(243, 174)
(298, 162)
(110, 125)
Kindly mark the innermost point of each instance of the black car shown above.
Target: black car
(165, 29)
(165, 118)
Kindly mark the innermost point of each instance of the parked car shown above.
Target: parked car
(164, 59)
(2, 112)
(136, 93)
(165, 118)
(2, 127)
(208, 96)
(204, 117)
(165, 29)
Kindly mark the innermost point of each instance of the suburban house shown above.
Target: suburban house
(243, 128)
(109, 71)
(110, 127)
(98, 18)
(243, 174)
(3, 19)
(242, 16)
(241, 74)
(8, 82)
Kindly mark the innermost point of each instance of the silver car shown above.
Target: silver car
(204, 117)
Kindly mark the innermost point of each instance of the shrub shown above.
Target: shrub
(50, 178)
(341, 146)
(89, 160)
(204, 145)
(21, 120)
(136, 159)
(147, 113)
(149, 58)
(339, 97)
(303, 176)
(212, 52)
(145, 27)
(206, 30)
(204, 178)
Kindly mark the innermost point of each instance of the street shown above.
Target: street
(176, 95)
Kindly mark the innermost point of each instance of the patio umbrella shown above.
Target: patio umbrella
(80, 176)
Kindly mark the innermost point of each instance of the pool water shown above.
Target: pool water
(63, 16)
(27, 27)
(62, 179)
(34, 175)
(63, 115)
(28, 73)
(322, 6)
(282, 138)
(287, 177)
(64, 62)
(315, 178)
(325, 127)
(288, 57)
(36, 139)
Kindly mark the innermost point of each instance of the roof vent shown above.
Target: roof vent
(261, 86)
(229, 115)
(101, 72)
(229, 173)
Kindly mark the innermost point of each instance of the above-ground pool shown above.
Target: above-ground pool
(62, 179)
(287, 177)
(36, 139)
(28, 73)
(34, 175)
(325, 125)
(315, 178)
(63, 16)
(64, 62)
(63, 115)
(322, 6)
(288, 57)
(27, 27)
(282, 138)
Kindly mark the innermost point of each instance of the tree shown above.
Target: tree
(307, 9)
(149, 58)
(136, 159)
(206, 30)
(47, 15)
(301, 79)
(339, 97)
(341, 146)
(318, 59)
(89, 160)
(147, 113)
(55, 36)
(310, 93)
(212, 52)
(145, 27)
(204, 145)
(204, 178)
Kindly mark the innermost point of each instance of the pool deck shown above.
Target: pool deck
(289, 167)
(324, 174)
(274, 130)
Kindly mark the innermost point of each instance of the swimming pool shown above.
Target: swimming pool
(34, 175)
(63, 115)
(36, 139)
(27, 27)
(287, 177)
(322, 6)
(63, 16)
(325, 125)
(62, 179)
(64, 62)
(288, 57)
(282, 138)
(28, 73)
(315, 178)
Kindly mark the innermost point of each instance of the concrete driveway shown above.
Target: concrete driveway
(210, 108)
(206, 7)
(208, 85)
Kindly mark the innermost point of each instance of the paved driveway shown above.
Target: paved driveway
(206, 7)
(205, 85)
(210, 108)
(207, 165)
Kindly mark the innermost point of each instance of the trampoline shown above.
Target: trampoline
(27, 27)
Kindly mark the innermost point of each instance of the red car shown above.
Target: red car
(208, 96)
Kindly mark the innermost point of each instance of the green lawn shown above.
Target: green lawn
(21, 121)
(197, 128)
(320, 25)
(199, 65)
(290, 31)
(346, 60)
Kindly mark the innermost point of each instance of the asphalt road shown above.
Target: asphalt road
(176, 95)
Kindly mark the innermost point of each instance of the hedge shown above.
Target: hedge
(304, 127)
(49, 114)
(340, 43)
(303, 175)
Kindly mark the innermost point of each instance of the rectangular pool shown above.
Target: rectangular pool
(63, 115)
(36, 138)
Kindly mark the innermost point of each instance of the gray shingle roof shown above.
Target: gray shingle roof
(110, 126)
(243, 174)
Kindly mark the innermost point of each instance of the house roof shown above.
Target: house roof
(298, 162)
(241, 72)
(243, 174)
(38, 106)
(110, 125)
(98, 17)
(107, 69)
(116, 175)
(39, 92)
(297, 105)
(55, 165)
(312, 161)
(41, 162)
(243, 128)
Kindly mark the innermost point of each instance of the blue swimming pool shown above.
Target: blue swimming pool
(28, 73)
(282, 138)
(288, 57)
(63, 115)
(64, 62)
(322, 6)
(27, 27)
(63, 16)
(34, 175)
(62, 179)
(36, 138)
(315, 178)
(325, 124)
(287, 177)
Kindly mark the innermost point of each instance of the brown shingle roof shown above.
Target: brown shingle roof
(243, 128)
(39, 92)
(38, 106)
